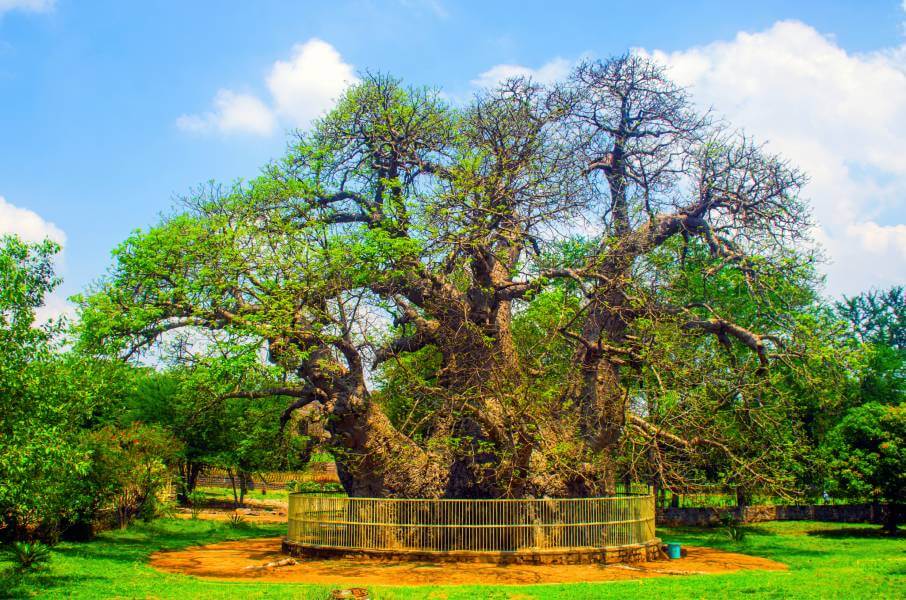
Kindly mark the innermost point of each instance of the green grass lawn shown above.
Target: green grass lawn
(826, 561)
(225, 494)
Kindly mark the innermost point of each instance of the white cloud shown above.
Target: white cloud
(233, 113)
(55, 307)
(549, 72)
(31, 227)
(841, 117)
(302, 89)
(27, 224)
(27, 5)
(879, 240)
(308, 84)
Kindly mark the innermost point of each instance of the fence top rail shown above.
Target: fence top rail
(625, 496)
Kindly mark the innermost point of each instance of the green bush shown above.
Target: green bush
(129, 468)
(29, 556)
(865, 454)
(196, 501)
(237, 521)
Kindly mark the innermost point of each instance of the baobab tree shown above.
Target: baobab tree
(489, 301)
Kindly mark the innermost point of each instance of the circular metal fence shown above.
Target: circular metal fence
(441, 526)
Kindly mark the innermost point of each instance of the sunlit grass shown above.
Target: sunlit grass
(826, 561)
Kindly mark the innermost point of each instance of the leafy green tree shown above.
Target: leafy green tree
(865, 454)
(877, 317)
(52, 400)
(130, 467)
(876, 320)
(193, 402)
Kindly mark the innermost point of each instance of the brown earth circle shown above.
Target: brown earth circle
(245, 559)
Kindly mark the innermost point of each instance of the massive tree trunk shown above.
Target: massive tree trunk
(375, 460)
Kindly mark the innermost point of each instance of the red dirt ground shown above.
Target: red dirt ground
(255, 511)
(230, 560)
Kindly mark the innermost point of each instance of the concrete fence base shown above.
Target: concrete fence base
(632, 553)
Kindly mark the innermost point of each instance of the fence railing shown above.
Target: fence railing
(321, 472)
(428, 525)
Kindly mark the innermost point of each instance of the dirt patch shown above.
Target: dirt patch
(230, 560)
(209, 514)
(254, 511)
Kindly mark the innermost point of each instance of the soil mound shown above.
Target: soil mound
(247, 559)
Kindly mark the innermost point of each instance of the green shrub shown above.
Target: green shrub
(196, 501)
(731, 529)
(30, 556)
(237, 521)
(130, 467)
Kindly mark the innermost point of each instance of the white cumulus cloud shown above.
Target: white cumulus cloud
(233, 113)
(549, 72)
(27, 5)
(301, 88)
(27, 224)
(309, 83)
(839, 116)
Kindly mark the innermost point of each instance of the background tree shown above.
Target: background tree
(404, 236)
(52, 402)
(245, 436)
(865, 454)
(877, 321)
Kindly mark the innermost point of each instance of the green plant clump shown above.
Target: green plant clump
(30, 556)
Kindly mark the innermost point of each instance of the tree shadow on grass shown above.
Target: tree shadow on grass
(19, 585)
(702, 534)
(137, 544)
(782, 552)
(855, 533)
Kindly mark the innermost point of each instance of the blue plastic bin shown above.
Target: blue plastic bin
(674, 550)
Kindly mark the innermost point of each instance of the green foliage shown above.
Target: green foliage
(866, 451)
(30, 556)
(242, 434)
(406, 390)
(313, 487)
(760, 404)
(236, 520)
(130, 467)
(39, 450)
(54, 401)
(877, 317)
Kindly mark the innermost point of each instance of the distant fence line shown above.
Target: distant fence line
(722, 496)
(831, 513)
(473, 527)
(320, 472)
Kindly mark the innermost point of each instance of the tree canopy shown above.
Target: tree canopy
(531, 294)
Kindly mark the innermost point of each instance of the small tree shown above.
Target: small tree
(866, 453)
(130, 467)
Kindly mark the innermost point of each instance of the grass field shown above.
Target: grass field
(826, 561)
(224, 494)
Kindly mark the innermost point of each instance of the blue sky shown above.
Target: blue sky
(111, 109)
